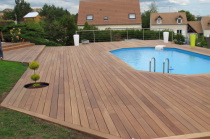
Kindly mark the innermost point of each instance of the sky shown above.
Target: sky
(196, 7)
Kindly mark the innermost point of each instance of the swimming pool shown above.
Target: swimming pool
(181, 61)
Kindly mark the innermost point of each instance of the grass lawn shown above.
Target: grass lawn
(18, 125)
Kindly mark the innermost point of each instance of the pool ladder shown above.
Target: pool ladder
(164, 63)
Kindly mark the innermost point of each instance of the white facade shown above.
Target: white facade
(206, 33)
(104, 27)
(174, 28)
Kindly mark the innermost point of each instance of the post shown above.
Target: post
(127, 34)
(159, 33)
(1, 52)
(110, 35)
(94, 36)
(143, 34)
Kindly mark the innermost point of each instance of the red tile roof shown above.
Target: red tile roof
(206, 23)
(196, 25)
(168, 18)
(116, 10)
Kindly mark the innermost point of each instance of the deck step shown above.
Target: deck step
(12, 46)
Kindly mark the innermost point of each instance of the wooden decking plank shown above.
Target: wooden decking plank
(55, 92)
(61, 102)
(67, 88)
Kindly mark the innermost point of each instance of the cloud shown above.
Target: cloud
(204, 1)
(4, 6)
(180, 2)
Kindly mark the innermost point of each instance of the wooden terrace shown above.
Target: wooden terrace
(93, 91)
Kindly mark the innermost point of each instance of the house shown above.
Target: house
(32, 16)
(104, 14)
(1, 14)
(176, 22)
(205, 23)
(195, 27)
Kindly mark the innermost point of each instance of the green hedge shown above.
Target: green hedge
(40, 41)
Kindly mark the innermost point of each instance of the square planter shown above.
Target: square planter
(85, 41)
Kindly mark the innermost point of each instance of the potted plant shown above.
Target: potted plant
(85, 41)
(35, 77)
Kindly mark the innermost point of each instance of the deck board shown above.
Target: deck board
(93, 91)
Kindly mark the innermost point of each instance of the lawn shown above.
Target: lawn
(17, 125)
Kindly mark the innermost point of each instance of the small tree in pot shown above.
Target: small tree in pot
(35, 77)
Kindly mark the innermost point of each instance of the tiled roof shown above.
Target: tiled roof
(116, 10)
(196, 25)
(206, 23)
(168, 18)
(31, 14)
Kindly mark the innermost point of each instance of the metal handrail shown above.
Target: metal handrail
(164, 65)
(150, 64)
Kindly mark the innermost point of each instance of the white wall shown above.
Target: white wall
(171, 27)
(103, 27)
(206, 33)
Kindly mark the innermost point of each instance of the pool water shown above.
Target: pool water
(181, 61)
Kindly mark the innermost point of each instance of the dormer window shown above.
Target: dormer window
(89, 17)
(179, 20)
(132, 16)
(106, 18)
(159, 20)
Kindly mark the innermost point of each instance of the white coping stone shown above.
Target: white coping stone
(159, 47)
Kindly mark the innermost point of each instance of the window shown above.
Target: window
(179, 20)
(159, 21)
(132, 16)
(89, 17)
(106, 18)
(179, 31)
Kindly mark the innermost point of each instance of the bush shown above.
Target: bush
(35, 77)
(179, 39)
(200, 41)
(40, 41)
(34, 65)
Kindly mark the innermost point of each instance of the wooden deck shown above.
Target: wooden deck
(93, 91)
(26, 54)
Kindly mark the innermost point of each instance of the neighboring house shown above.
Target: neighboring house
(1, 14)
(205, 22)
(32, 16)
(176, 22)
(106, 14)
(195, 27)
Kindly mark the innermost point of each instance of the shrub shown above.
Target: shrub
(40, 41)
(35, 77)
(179, 39)
(34, 65)
(15, 34)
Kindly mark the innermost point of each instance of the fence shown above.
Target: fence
(111, 35)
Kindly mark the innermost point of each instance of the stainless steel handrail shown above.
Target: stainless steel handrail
(164, 65)
(150, 64)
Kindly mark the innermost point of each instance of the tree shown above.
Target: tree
(89, 27)
(9, 15)
(21, 9)
(146, 15)
(58, 24)
(190, 17)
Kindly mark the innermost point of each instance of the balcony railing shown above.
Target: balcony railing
(111, 35)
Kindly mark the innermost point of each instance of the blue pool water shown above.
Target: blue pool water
(181, 61)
